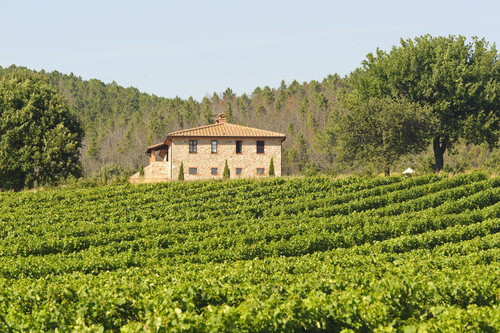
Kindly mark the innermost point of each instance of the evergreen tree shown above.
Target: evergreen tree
(271, 168)
(93, 151)
(105, 176)
(208, 117)
(141, 171)
(290, 128)
(181, 172)
(229, 112)
(226, 174)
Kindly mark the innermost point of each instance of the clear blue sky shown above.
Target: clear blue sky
(194, 48)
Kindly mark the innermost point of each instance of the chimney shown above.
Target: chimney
(221, 119)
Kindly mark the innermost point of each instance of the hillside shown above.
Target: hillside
(121, 122)
(282, 255)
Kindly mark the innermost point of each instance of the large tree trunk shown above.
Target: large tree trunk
(439, 149)
(387, 172)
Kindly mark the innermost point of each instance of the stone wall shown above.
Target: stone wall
(204, 160)
(155, 172)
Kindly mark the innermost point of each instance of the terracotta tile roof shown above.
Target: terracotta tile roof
(226, 129)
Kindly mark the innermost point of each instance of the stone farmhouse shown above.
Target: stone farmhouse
(204, 150)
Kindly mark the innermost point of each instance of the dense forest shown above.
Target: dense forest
(119, 123)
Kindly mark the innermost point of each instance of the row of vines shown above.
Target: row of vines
(391, 254)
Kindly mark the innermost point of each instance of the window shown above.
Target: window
(214, 171)
(193, 171)
(239, 147)
(214, 146)
(238, 171)
(260, 171)
(260, 147)
(193, 146)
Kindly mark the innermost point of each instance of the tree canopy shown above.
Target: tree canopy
(39, 138)
(382, 130)
(459, 81)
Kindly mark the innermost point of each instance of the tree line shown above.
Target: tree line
(439, 92)
(119, 123)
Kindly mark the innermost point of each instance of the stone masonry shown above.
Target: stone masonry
(155, 172)
(204, 160)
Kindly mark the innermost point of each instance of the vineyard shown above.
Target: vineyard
(391, 254)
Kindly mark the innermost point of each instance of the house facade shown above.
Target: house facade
(204, 150)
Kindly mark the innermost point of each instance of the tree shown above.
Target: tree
(141, 171)
(93, 151)
(181, 173)
(105, 176)
(208, 117)
(459, 81)
(382, 130)
(39, 138)
(271, 168)
(229, 112)
(226, 174)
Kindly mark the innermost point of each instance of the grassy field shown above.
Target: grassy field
(389, 254)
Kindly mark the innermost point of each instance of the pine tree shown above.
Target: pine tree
(271, 168)
(226, 175)
(93, 150)
(181, 173)
(229, 112)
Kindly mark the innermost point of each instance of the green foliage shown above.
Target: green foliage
(229, 112)
(124, 120)
(141, 171)
(304, 106)
(243, 102)
(279, 103)
(271, 168)
(459, 81)
(302, 151)
(93, 151)
(382, 130)
(181, 172)
(313, 254)
(228, 94)
(261, 110)
(289, 129)
(208, 117)
(324, 141)
(310, 170)
(289, 161)
(39, 138)
(292, 88)
(226, 173)
(105, 176)
(267, 95)
(311, 123)
(156, 124)
(320, 100)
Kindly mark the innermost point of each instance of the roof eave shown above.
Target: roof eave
(155, 147)
(170, 137)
